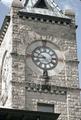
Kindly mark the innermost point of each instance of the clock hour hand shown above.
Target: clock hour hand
(45, 58)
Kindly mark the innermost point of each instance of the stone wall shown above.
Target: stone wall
(26, 31)
(63, 87)
(6, 68)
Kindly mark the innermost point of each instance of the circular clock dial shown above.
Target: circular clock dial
(44, 57)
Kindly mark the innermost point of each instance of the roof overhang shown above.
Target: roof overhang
(13, 114)
(4, 28)
(44, 17)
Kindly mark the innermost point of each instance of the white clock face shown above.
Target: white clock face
(44, 57)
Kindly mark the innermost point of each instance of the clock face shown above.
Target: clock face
(44, 57)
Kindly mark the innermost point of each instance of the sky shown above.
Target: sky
(63, 4)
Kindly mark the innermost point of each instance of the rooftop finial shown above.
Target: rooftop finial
(70, 12)
(17, 3)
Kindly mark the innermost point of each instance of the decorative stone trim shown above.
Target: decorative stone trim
(45, 18)
(4, 28)
(35, 87)
(45, 88)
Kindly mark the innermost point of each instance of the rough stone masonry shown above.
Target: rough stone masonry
(21, 86)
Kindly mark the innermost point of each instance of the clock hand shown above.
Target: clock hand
(45, 58)
(42, 56)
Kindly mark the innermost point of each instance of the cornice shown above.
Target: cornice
(45, 18)
(45, 88)
(4, 28)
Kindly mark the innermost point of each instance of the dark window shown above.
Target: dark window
(45, 107)
(41, 4)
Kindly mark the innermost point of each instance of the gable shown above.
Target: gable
(44, 7)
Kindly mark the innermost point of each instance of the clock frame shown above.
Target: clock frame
(44, 57)
(37, 69)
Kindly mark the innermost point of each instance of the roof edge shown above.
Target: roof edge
(4, 28)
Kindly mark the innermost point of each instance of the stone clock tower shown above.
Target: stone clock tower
(38, 59)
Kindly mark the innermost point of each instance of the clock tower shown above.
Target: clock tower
(38, 59)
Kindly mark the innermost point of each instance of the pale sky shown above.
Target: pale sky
(63, 4)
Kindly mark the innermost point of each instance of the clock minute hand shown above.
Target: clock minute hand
(42, 56)
(46, 59)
